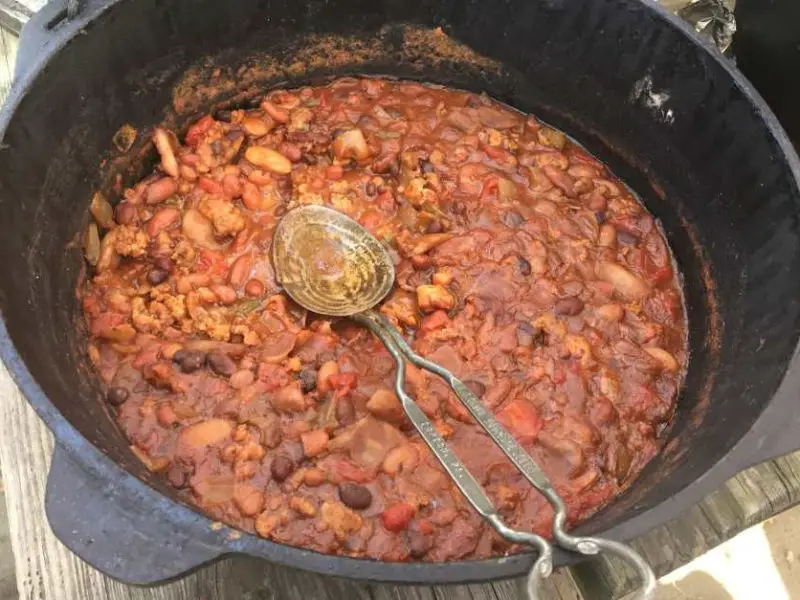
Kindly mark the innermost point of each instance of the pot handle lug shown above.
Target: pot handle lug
(50, 27)
(115, 530)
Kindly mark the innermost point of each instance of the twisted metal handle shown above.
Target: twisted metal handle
(469, 486)
(521, 459)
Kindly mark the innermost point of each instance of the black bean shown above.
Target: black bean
(191, 361)
(224, 115)
(569, 306)
(476, 387)
(117, 395)
(221, 363)
(124, 213)
(252, 102)
(512, 219)
(394, 169)
(309, 159)
(177, 477)
(156, 276)
(281, 468)
(308, 380)
(600, 216)
(355, 496)
(426, 166)
(370, 189)
(522, 266)
(164, 263)
(623, 237)
(419, 543)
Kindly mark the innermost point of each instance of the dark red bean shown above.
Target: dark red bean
(419, 543)
(530, 336)
(434, 227)
(221, 363)
(190, 360)
(157, 276)
(512, 219)
(177, 477)
(308, 380)
(355, 496)
(370, 189)
(117, 396)
(600, 216)
(569, 307)
(476, 387)
(281, 468)
(124, 213)
(345, 412)
(522, 266)
(164, 263)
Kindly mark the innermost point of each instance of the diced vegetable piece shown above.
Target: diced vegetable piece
(521, 420)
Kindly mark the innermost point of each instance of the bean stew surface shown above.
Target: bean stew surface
(523, 266)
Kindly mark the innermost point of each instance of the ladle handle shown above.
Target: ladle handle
(468, 485)
(521, 459)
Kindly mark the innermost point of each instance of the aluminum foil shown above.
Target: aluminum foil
(712, 19)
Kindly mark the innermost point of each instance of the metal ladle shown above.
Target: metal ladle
(332, 266)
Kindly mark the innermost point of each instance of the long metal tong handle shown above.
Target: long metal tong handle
(468, 485)
(521, 459)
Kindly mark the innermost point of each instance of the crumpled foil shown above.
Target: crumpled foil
(712, 19)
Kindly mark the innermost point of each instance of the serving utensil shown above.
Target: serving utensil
(331, 265)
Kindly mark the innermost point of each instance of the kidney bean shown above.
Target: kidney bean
(240, 270)
(370, 189)
(281, 468)
(221, 363)
(569, 306)
(355, 496)
(345, 412)
(157, 276)
(124, 213)
(116, 396)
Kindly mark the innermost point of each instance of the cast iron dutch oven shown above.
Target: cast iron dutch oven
(667, 113)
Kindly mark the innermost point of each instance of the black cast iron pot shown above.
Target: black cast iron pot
(668, 114)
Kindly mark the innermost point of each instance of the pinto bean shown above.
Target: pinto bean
(626, 284)
(160, 190)
(314, 442)
(226, 294)
(161, 220)
(664, 358)
(157, 276)
(268, 159)
(164, 146)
